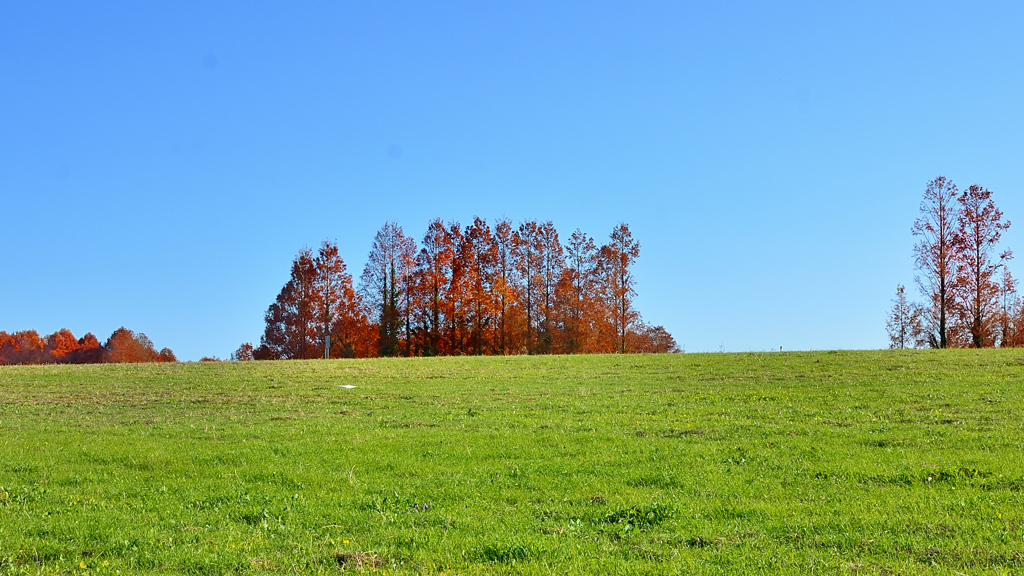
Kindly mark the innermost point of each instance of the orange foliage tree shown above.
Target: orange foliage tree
(434, 272)
(61, 343)
(90, 351)
(243, 353)
(317, 313)
(505, 289)
(291, 323)
(478, 256)
(27, 347)
(576, 295)
(23, 347)
(124, 346)
(617, 258)
(552, 262)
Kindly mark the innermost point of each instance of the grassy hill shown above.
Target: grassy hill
(834, 462)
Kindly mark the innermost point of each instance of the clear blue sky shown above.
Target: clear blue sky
(162, 163)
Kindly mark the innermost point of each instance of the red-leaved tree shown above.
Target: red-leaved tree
(976, 285)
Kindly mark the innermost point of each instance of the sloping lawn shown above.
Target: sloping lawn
(875, 462)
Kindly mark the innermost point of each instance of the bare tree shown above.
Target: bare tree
(529, 263)
(1008, 307)
(904, 322)
(386, 283)
(552, 259)
(936, 255)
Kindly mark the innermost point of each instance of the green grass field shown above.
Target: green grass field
(779, 463)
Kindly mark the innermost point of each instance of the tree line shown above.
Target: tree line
(477, 289)
(970, 296)
(61, 347)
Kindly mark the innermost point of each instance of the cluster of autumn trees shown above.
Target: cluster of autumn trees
(970, 297)
(61, 347)
(463, 290)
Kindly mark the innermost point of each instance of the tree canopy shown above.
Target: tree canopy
(61, 347)
(476, 289)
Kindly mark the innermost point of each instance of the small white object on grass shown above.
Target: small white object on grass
(345, 386)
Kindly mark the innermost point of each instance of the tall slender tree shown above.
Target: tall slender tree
(456, 301)
(434, 272)
(618, 257)
(332, 286)
(505, 282)
(978, 231)
(386, 282)
(529, 262)
(552, 262)
(479, 256)
(406, 279)
(936, 255)
(1008, 304)
(576, 293)
(350, 334)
